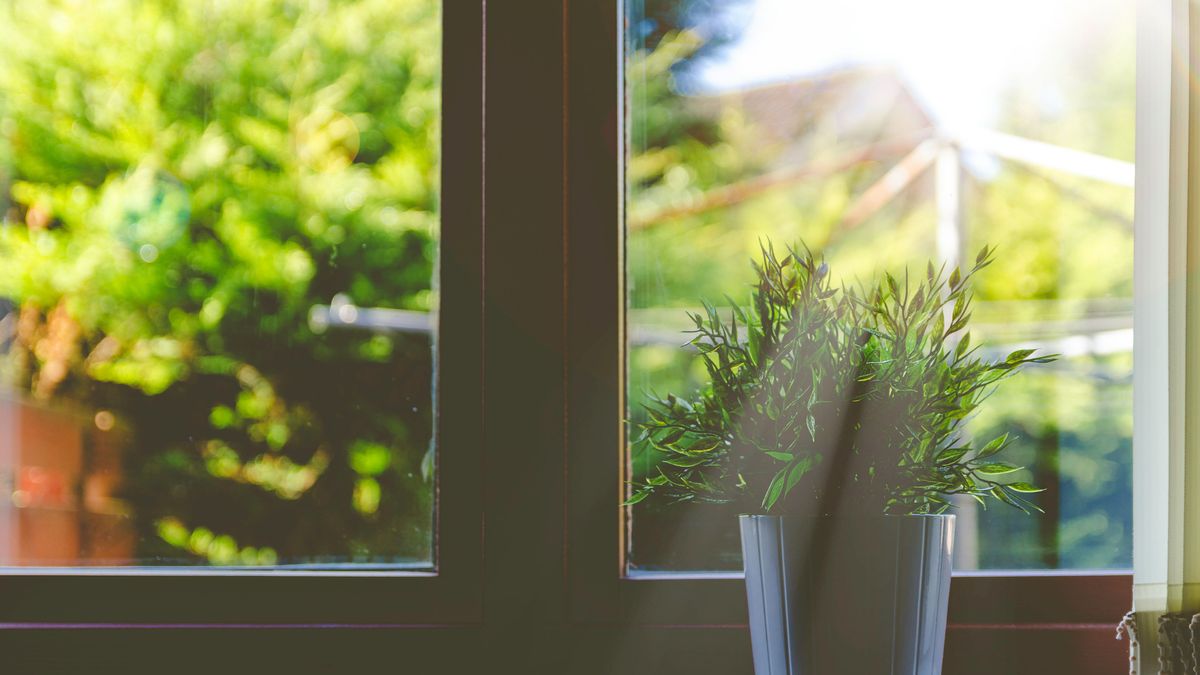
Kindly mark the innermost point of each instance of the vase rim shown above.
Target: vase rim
(855, 516)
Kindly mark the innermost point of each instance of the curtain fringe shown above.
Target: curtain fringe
(1178, 643)
(1128, 628)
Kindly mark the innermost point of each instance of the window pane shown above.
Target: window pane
(217, 281)
(884, 135)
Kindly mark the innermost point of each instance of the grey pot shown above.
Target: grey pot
(852, 595)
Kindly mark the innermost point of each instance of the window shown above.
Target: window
(227, 369)
(219, 288)
(850, 130)
(686, 583)
(531, 388)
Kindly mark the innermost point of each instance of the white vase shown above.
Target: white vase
(854, 595)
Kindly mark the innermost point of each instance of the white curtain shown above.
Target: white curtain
(1166, 593)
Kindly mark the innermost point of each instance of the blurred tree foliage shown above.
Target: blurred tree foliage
(1063, 254)
(185, 180)
(1069, 244)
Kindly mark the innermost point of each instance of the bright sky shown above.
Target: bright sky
(956, 54)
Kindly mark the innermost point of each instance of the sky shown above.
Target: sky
(957, 55)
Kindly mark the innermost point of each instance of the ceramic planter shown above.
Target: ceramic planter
(847, 596)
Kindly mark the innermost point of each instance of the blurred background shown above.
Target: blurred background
(884, 135)
(197, 198)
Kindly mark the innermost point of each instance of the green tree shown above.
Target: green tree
(186, 179)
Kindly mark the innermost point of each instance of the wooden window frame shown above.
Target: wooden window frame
(1067, 618)
(130, 597)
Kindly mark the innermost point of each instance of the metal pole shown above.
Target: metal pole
(951, 241)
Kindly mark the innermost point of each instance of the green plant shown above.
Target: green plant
(824, 399)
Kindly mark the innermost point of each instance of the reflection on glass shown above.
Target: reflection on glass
(204, 207)
(883, 135)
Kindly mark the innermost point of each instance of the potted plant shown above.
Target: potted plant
(833, 418)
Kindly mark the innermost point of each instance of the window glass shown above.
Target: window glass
(882, 136)
(217, 300)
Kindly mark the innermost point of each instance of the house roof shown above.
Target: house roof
(793, 120)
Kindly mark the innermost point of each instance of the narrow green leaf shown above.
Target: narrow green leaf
(797, 472)
(774, 489)
(1004, 497)
(1019, 355)
(1024, 488)
(686, 462)
(996, 445)
(705, 444)
(891, 283)
(671, 438)
(996, 469)
(951, 455)
(636, 497)
(960, 323)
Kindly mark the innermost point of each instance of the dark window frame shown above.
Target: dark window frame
(449, 594)
(1074, 613)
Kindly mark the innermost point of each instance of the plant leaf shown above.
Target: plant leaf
(951, 455)
(996, 445)
(1019, 355)
(1024, 488)
(636, 497)
(797, 472)
(774, 489)
(686, 462)
(996, 468)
